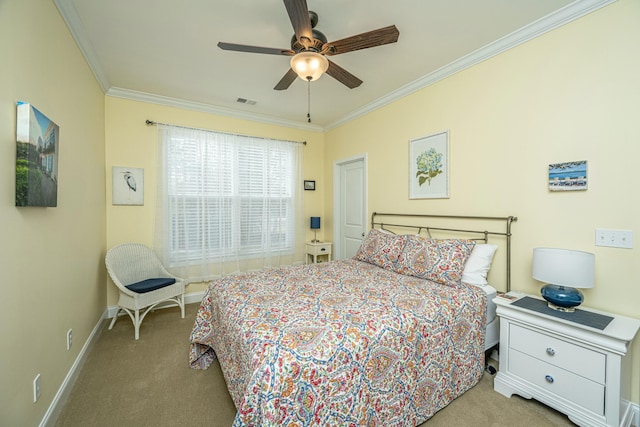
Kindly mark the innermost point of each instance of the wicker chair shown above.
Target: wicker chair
(143, 282)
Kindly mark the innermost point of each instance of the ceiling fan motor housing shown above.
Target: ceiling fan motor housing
(319, 40)
(314, 45)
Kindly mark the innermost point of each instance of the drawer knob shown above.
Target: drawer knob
(323, 249)
(549, 379)
(550, 351)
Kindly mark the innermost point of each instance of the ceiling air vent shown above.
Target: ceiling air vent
(246, 101)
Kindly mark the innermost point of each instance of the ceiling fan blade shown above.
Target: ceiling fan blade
(299, 17)
(286, 80)
(374, 38)
(343, 76)
(255, 49)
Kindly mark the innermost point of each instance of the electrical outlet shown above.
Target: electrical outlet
(36, 388)
(69, 339)
(614, 238)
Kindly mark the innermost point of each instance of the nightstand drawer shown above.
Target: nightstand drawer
(319, 248)
(584, 392)
(571, 357)
(316, 250)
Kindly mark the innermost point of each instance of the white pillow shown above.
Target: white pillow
(477, 266)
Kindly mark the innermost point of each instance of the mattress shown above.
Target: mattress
(492, 336)
(491, 306)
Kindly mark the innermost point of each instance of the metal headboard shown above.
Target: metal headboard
(482, 235)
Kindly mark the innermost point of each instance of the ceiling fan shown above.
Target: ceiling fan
(309, 48)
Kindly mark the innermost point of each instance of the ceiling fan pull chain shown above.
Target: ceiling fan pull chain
(308, 100)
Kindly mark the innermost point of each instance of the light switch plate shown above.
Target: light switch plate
(614, 238)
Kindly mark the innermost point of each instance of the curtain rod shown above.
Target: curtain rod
(152, 123)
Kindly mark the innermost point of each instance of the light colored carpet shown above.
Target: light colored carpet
(149, 383)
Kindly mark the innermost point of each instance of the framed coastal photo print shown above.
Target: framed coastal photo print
(568, 176)
(429, 167)
(127, 186)
(309, 185)
(37, 140)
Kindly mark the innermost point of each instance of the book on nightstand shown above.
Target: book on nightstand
(511, 295)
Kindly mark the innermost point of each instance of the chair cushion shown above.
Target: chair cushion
(149, 285)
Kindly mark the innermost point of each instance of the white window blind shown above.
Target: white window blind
(229, 202)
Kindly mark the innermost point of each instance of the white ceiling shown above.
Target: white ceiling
(165, 51)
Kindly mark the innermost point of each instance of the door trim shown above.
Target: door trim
(337, 188)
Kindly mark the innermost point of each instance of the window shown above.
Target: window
(227, 197)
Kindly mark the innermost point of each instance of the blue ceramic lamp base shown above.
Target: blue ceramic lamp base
(562, 298)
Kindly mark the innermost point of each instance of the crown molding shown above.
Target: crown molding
(70, 15)
(208, 108)
(535, 29)
(562, 16)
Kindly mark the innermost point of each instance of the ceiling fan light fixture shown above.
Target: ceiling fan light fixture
(309, 66)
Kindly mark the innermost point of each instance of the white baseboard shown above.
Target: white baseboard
(50, 417)
(61, 396)
(196, 297)
(630, 416)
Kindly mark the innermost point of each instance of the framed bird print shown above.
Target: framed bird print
(127, 186)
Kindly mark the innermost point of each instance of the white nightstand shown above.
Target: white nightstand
(314, 250)
(579, 370)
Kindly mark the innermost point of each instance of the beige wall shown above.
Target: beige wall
(572, 94)
(130, 142)
(53, 277)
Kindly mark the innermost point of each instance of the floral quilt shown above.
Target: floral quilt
(341, 343)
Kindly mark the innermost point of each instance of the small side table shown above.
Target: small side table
(317, 249)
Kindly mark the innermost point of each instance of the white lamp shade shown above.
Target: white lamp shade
(309, 66)
(563, 267)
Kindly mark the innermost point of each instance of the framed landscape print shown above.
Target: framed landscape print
(37, 139)
(429, 167)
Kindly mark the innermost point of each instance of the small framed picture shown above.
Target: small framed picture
(429, 167)
(568, 176)
(309, 185)
(128, 186)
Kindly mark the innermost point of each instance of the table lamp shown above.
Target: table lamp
(315, 226)
(563, 271)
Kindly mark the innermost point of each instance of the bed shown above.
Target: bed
(387, 338)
